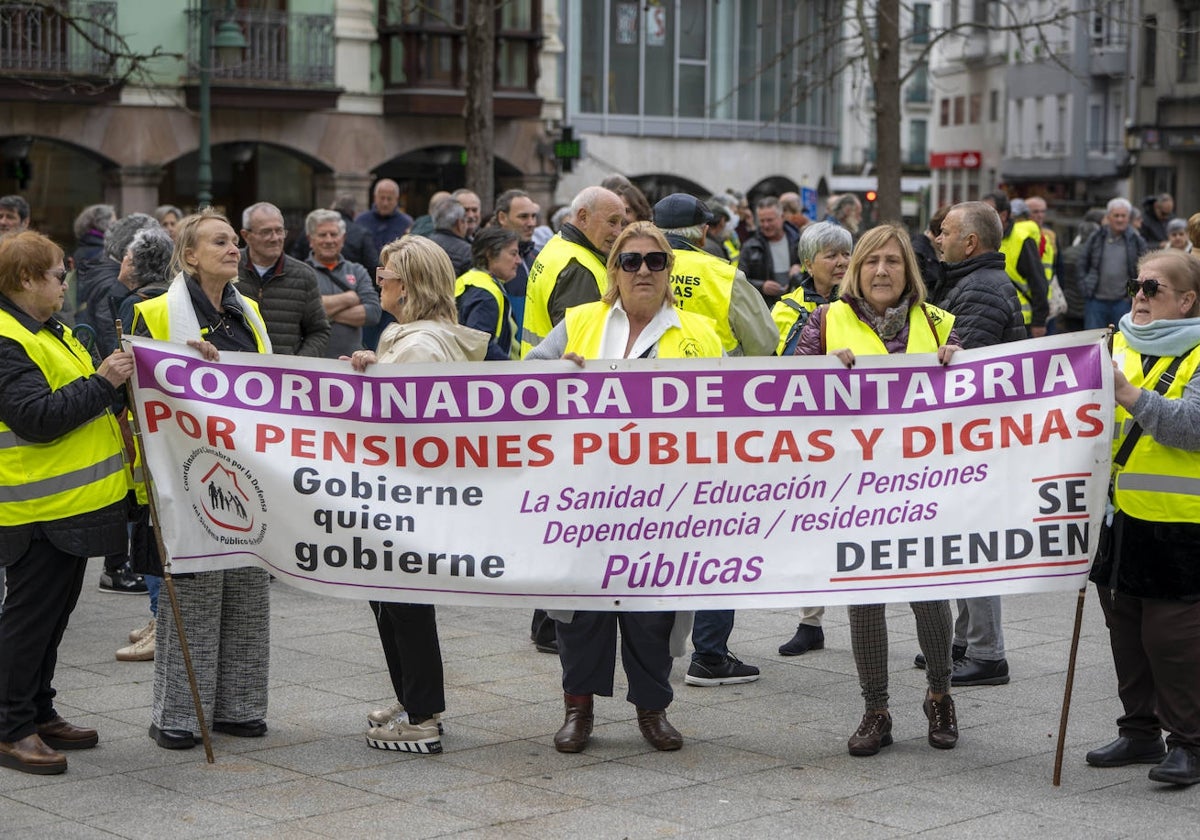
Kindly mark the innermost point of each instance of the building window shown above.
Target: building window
(920, 28)
(918, 84)
(424, 44)
(704, 59)
(994, 106)
(959, 109)
(975, 108)
(1149, 50)
(918, 152)
(944, 119)
(1189, 45)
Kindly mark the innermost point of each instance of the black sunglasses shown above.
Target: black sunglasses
(631, 261)
(1147, 287)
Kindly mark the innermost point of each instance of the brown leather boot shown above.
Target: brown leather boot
(658, 730)
(577, 727)
(31, 755)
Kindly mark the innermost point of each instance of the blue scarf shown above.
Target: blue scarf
(1171, 337)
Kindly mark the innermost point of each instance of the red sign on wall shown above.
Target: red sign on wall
(955, 160)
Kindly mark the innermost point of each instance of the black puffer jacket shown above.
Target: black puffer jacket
(983, 301)
(290, 302)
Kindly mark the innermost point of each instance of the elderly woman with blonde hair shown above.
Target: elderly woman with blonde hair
(416, 285)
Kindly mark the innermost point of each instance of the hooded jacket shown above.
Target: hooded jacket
(431, 341)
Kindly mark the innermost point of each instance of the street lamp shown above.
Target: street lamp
(229, 40)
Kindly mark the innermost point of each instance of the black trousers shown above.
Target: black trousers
(409, 636)
(43, 588)
(1156, 652)
(541, 628)
(587, 649)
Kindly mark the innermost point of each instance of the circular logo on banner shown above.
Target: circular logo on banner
(225, 498)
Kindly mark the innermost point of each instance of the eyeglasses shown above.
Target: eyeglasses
(1148, 287)
(270, 233)
(382, 274)
(631, 261)
(59, 274)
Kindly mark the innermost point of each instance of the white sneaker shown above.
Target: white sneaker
(142, 632)
(140, 651)
(402, 736)
(381, 717)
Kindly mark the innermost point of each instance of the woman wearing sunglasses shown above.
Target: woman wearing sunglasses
(1149, 580)
(882, 309)
(635, 319)
(64, 478)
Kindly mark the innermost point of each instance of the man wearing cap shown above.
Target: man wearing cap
(571, 269)
(712, 287)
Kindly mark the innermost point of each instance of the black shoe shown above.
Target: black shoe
(546, 647)
(1180, 767)
(968, 671)
(729, 671)
(807, 638)
(957, 652)
(1125, 751)
(246, 729)
(172, 739)
(122, 581)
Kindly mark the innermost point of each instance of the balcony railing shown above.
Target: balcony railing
(37, 40)
(288, 49)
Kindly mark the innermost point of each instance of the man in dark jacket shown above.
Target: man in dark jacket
(385, 220)
(768, 257)
(1157, 211)
(977, 290)
(450, 232)
(284, 288)
(1108, 261)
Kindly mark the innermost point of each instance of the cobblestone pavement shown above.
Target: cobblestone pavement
(767, 759)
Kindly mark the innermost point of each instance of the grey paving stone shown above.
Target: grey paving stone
(603, 821)
(302, 798)
(398, 819)
(181, 817)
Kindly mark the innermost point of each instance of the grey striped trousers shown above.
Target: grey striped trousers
(869, 643)
(227, 617)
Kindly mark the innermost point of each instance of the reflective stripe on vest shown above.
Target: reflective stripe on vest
(79, 472)
(475, 278)
(1011, 246)
(843, 328)
(543, 276)
(1158, 483)
(704, 284)
(696, 335)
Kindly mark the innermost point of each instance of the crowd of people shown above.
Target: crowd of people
(610, 277)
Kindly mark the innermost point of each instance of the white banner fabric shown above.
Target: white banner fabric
(637, 484)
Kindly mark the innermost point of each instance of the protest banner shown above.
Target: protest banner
(637, 484)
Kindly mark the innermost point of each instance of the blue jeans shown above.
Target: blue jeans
(1098, 314)
(710, 635)
(153, 585)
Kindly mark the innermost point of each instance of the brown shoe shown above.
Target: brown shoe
(658, 730)
(577, 726)
(943, 724)
(31, 755)
(873, 734)
(60, 735)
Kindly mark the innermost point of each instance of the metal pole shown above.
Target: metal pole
(204, 164)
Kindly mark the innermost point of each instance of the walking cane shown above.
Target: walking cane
(169, 581)
(1066, 704)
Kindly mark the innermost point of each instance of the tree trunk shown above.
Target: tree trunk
(887, 111)
(481, 81)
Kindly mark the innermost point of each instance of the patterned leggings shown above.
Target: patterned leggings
(869, 642)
